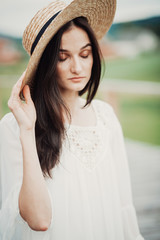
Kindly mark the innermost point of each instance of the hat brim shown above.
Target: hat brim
(100, 15)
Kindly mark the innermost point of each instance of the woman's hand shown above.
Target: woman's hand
(24, 112)
(34, 201)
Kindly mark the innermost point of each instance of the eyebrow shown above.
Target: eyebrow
(87, 45)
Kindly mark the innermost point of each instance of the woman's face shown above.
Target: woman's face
(75, 60)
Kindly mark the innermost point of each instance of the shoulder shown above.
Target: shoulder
(9, 122)
(101, 103)
(106, 113)
(8, 127)
(103, 108)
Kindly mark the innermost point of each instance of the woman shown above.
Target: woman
(64, 172)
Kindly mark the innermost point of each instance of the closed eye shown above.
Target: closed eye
(62, 57)
(85, 53)
(85, 56)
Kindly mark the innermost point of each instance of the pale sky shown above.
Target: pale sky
(16, 14)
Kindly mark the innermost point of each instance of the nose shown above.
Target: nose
(76, 66)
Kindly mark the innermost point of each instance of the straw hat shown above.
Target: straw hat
(50, 19)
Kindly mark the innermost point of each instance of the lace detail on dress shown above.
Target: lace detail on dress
(89, 143)
(86, 145)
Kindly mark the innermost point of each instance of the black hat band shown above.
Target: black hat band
(42, 31)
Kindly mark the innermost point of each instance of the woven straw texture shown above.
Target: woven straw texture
(100, 14)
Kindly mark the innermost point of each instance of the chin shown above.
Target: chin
(78, 88)
(74, 87)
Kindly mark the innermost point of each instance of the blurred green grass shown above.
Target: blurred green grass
(139, 115)
(145, 67)
(15, 69)
(4, 93)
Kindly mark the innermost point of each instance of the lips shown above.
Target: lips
(76, 79)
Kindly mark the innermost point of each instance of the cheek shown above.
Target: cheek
(62, 68)
(88, 65)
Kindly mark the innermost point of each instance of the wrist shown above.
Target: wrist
(27, 133)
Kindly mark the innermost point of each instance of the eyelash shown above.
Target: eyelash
(85, 56)
(62, 60)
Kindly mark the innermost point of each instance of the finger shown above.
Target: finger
(14, 98)
(26, 94)
(17, 87)
(13, 101)
(20, 80)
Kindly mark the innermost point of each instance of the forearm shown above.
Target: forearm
(34, 201)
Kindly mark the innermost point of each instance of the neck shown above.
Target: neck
(73, 103)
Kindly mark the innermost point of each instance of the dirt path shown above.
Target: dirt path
(130, 86)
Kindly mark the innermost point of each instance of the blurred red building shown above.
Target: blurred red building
(8, 52)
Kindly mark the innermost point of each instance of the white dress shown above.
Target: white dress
(90, 189)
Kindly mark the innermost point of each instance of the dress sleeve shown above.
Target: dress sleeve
(129, 218)
(11, 169)
(11, 174)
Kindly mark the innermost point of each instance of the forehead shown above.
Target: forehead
(74, 39)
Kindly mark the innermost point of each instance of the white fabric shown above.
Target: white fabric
(90, 189)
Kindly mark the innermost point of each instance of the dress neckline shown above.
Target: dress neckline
(67, 125)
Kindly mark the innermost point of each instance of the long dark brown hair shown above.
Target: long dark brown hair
(50, 130)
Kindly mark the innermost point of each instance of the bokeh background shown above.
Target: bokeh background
(131, 83)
